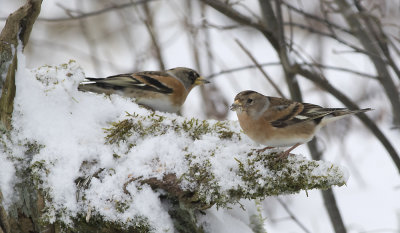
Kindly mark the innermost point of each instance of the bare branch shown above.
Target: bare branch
(277, 89)
(242, 19)
(82, 15)
(275, 24)
(336, 38)
(93, 49)
(292, 216)
(149, 22)
(220, 27)
(311, 65)
(375, 28)
(316, 18)
(228, 71)
(370, 44)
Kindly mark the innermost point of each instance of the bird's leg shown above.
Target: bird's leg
(285, 154)
(265, 148)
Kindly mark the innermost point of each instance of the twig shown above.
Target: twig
(90, 42)
(126, 35)
(292, 216)
(366, 38)
(215, 101)
(94, 13)
(128, 182)
(278, 29)
(51, 44)
(342, 69)
(242, 19)
(260, 68)
(150, 28)
(334, 37)
(316, 18)
(220, 27)
(375, 28)
(228, 71)
(290, 31)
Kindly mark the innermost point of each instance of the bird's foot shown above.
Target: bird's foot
(283, 155)
(286, 153)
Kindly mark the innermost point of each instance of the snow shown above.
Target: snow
(7, 174)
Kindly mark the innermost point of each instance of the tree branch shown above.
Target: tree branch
(277, 89)
(292, 216)
(371, 45)
(18, 28)
(81, 15)
(242, 19)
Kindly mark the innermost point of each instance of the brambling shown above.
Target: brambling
(278, 122)
(159, 90)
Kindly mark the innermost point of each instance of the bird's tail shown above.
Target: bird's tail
(339, 113)
(345, 111)
(97, 85)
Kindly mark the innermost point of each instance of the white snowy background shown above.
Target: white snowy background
(369, 203)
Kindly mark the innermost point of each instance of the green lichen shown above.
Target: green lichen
(284, 176)
(33, 148)
(121, 206)
(154, 124)
(262, 175)
(205, 186)
(37, 169)
(97, 223)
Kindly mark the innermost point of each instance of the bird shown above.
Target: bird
(164, 91)
(279, 122)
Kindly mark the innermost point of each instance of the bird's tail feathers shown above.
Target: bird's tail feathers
(93, 85)
(342, 112)
(339, 114)
(89, 80)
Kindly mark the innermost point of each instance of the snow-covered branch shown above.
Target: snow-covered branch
(94, 158)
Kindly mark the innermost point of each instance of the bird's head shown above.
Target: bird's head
(190, 78)
(251, 102)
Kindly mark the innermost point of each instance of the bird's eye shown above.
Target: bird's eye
(249, 101)
(192, 76)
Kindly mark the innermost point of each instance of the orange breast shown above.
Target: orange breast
(261, 131)
(179, 95)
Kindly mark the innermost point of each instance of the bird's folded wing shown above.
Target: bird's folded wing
(148, 81)
(283, 113)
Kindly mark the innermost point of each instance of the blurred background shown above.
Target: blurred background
(335, 53)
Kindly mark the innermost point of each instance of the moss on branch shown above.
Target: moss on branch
(255, 175)
(261, 174)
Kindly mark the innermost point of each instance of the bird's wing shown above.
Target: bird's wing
(147, 81)
(283, 112)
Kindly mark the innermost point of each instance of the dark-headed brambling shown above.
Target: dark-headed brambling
(278, 122)
(159, 90)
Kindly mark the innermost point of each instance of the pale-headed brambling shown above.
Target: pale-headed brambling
(159, 90)
(278, 122)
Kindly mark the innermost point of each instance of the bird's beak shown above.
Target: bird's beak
(236, 106)
(201, 80)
